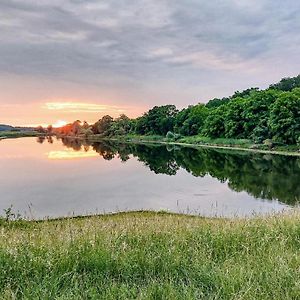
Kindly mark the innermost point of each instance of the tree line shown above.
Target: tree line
(259, 115)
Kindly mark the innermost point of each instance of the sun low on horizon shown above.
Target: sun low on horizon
(58, 113)
(68, 60)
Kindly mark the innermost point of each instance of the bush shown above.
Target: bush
(170, 135)
(268, 143)
(177, 136)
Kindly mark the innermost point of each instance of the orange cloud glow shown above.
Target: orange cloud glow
(75, 107)
(62, 111)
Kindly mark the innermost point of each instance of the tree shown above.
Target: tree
(103, 125)
(256, 113)
(158, 120)
(244, 93)
(284, 119)
(121, 125)
(49, 129)
(85, 125)
(214, 103)
(234, 119)
(190, 121)
(252, 114)
(287, 84)
(214, 125)
(40, 129)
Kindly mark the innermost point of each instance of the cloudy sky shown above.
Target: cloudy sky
(80, 59)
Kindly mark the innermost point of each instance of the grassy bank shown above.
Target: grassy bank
(151, 256)
(200, 141)
(17, 134)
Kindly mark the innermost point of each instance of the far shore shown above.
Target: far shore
(255, 148)
(141, 140)
(18, 134)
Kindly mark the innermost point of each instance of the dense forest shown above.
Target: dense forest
(258, 115)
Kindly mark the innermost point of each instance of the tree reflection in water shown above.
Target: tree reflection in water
(265, 176)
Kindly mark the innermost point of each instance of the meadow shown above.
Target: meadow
(17, 134)
(147, 255)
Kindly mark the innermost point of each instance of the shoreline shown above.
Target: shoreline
(190, 145)
(150, 213)
(141, 141)
(14, 135)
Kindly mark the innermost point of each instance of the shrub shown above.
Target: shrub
(268, 143)
(170, 135)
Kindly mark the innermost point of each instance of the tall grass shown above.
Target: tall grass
(197, 139)
(151, 256)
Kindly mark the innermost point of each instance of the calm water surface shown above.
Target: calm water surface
(53, 178)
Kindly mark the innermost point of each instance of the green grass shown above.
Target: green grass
(220, 141)
(198, 140)
(151, 256)
(17, 134)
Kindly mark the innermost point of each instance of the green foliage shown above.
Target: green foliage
(214, 125)
(158, 120)
(284, 119)
(190, 121)
(256, 114)
(287, 84)
(234, 118)
(269, 143)
(214, 103)
(249, 114)
(14, 134)
(244, 93)
(121, 125)
(103, 125)
(170, 135)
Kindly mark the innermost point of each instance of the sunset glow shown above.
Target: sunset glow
(75, 107)
(106, 59)
(60, 113)
(59, 123)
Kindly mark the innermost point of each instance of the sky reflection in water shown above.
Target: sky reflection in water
(59, 178)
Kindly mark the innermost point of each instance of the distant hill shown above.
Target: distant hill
(4, 127)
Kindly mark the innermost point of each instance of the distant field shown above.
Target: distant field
(197, 140)
(151, 256)
(16, 134)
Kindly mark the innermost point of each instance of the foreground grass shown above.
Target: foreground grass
(151, 256)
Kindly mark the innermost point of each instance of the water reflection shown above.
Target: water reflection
(69, 154)
(264, 176)
(42, 139)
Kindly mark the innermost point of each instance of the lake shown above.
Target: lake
(44, 178)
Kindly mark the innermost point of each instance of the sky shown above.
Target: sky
(63, 60)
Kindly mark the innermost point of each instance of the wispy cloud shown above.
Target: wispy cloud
(188, 49)
(77, 107)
